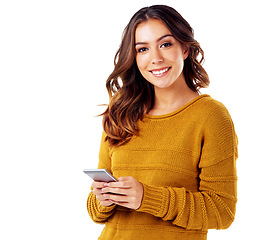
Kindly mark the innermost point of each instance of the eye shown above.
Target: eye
(143, 49)
(166, 44)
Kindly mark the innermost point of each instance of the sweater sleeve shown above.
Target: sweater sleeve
(96, 210)
(213, 205)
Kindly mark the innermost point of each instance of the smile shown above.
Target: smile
(160, 72)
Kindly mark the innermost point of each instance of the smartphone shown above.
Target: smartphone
(100, 175)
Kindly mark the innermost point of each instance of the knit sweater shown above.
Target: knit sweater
(186, 163)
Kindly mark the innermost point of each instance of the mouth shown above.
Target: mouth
(160, 72)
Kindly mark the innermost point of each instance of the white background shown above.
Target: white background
(54, 59)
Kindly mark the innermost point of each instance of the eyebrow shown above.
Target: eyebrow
(158, 40)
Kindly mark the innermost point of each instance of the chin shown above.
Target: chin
(161, 83)
(162, 86)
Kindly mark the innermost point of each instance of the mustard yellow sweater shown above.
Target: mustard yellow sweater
(186, 163)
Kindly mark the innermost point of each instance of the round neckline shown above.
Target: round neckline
(176, 111)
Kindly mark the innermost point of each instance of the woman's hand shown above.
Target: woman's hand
(97, 191)
(127, 192)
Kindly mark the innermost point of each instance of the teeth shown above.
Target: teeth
(160, 72)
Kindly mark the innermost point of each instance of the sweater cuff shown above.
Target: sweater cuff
(104, 209)
(155, 201)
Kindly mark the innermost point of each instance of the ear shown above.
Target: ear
(185, 52)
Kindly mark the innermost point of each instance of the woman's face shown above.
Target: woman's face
(160, 57)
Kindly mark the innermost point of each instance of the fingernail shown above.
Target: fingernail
(106, 184)
(103, 189)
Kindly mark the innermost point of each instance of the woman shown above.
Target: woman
(172, 150)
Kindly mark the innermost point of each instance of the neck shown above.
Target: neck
(172, 98)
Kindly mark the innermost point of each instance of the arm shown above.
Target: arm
(213, 206)
(96, 210)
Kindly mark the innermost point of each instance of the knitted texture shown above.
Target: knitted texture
(186, 163)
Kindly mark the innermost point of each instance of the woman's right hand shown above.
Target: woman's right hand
(97, 191)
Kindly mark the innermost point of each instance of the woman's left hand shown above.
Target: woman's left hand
(127, 192)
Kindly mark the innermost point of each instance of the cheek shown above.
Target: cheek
(141, 62)
(176, 57)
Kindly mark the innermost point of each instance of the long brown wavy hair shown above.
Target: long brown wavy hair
(131, 95)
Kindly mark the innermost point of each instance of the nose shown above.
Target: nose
(156, 56)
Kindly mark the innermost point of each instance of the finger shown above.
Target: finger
(97, 191)
(98, 184)
(117, 198)
(106, 203)
(123, 204)
(119, 191)
(102, 197)
(123, 184)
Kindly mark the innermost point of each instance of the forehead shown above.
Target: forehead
(150, 30)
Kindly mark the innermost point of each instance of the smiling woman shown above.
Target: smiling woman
(150, 30)
(172, 150)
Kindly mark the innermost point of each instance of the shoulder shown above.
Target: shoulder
(214, 117)
(213, 105)
(214, 110)
(219, 137)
